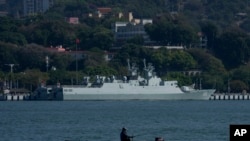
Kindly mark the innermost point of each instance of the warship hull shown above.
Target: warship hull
(131, 87)
(190, 96)
(143, 93)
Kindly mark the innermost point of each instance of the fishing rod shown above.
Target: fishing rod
(157, 138)
(146, 133)
(138, 135)
(158, 134)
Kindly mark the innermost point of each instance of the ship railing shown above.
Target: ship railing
(72, 86)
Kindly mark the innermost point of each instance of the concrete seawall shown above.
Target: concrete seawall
(231, 96)
(19, 97)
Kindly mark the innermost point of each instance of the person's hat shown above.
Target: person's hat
(124, 128)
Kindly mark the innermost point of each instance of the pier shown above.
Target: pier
(15, 97)
(230, 96)
(10, 97)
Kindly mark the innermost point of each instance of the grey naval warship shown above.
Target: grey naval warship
(133, 87)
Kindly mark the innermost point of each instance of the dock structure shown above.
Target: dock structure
(14, 95)
(17, 97)
(230, 96)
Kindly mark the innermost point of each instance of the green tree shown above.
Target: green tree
(60, 61)
(160, 31)
(136, 40)
(169, 31)
(50, 33)
(210, 30)
(102, 38)
(180, 77)
(35, 54)
(6, 55)
(184, 35)
(31, 78)
(207, 62)
(161, 59)
(8, 24)
(237, 86)
(242, 74)
(181, 60)
(232, 49)
(246, 25)
(100, 70)
(84, 36)
(61, 76)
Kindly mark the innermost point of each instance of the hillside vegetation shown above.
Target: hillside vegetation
(223, 60)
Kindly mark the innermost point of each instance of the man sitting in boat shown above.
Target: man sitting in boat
(124, 136)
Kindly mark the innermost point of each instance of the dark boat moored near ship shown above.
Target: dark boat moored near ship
(46, 93)
(41, 94)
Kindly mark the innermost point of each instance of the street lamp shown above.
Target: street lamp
(11, 72)
(47, 63)
(77, 42)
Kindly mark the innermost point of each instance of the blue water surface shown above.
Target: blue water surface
(103, 120)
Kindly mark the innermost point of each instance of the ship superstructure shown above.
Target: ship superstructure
(133, 87)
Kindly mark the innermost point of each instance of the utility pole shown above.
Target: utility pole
(200, 84)
(228, 86)
(47, 63)
(11, 73)
(11, 67)
(77, 42)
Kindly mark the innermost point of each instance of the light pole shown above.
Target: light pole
(47, 63)
(228, 86)
(77, 42)
(11, 73)
(11, 67)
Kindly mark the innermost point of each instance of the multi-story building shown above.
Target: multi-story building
(2, 2)
(31, 7)
(127, 30)
(28, 7)
(3, 9)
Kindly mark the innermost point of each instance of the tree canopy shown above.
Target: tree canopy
(222, 24)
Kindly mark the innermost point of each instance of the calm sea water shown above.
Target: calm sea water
(103, 120)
